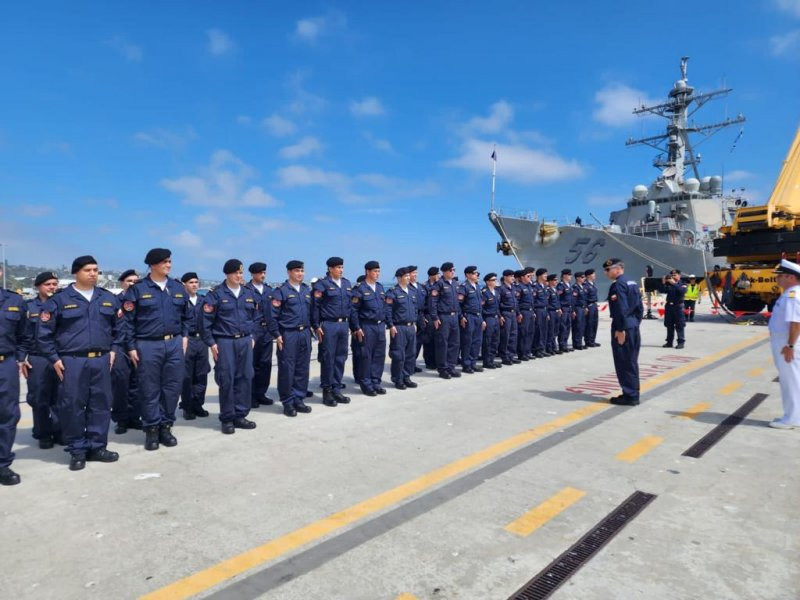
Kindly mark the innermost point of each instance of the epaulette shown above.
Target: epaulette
(10, 291)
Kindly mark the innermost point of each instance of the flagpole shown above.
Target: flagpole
(494, 174)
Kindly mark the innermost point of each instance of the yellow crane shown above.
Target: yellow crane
(759, 237)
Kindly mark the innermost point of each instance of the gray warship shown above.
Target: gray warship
(670, 224)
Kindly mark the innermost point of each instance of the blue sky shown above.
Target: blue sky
(270, 131)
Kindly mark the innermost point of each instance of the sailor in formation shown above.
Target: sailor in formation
(592, 312)
(125, 403)
(491, 321)
(472, 325)
(784, 332)
(401, 320)
(368, 322)
(196, 364)
(262, 351)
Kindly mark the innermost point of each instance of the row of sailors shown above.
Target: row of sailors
(83, 346)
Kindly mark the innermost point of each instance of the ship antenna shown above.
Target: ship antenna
(494, 174)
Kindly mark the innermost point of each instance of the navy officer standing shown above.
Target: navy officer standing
(427, 334)
(196, 366)
(13, 348)
(401, 318)
(330, 316)
(156, 337)
(578, 311)
(472, 326)
(445, 311)
(80, 331)
(291, 328)
(564, 290)
(262, 351)
(491, 324)
(509, 313)
(368, 322)
(422, 301)
(674, 317)
(625, 307)
(592, 314)
(231, 318)
(124, 386)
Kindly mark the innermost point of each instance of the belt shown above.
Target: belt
(405, 324)
(93, 354)
(194, 335)
(372, 322)
(37, 354)
(235, 336)
(510, 312)
(525, 310)
(339, 320)
(473, 313)
(590, 303)
(301, 328)
(158, 338)
(489, 316)
(451, 314)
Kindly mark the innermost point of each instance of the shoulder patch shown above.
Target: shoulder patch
(119, 313)
(276, 303)
(355, 299)
(208, 308)
(791, 294)
(127, 305)
(44, 317)
(434, 292)
(389, 300)
(613, 297)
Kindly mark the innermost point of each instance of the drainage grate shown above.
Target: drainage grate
(720, 431)
(563, 567)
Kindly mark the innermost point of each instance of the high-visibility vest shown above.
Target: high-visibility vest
(692, 291)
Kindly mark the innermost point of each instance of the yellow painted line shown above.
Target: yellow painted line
(755, 372)
(692, 412)
(406, 597)
(538, 516)
(728, 389)
(639, 449)
(231, 567)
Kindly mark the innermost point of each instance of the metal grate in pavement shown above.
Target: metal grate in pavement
(720, 431)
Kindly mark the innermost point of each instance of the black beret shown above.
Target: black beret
(589, 271)
(232, 265)
(371, 265)
(611, 262)
(470, 269)
(447, 266)
(552, 277)
(81, 262)
(190, 275)
(540, 271)
(433, 271)
(579, 274)
(401, 271)
(507, 272)
(294, 264)
(411, 268)
(529, 270)
(257, 267)
(334, 261)
(566, 271)
(157, 255)
(519, 272)
(126, 274)
(42, 277)
(489, 276)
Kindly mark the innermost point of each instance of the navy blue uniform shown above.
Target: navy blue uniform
(401, 313)
(291, 310)
(330, 311)
(674, 317)
(625, 308)
(13, 347)
(427, 338)
(124, 389)
(232, 324)
(508, 322)
(540, 309)
(564, 291)
(368, 313)
(155, 322)
(592, 316)
(526, 329)
(491, 316)
(444, 307)
(42, 380)
(469, 296)
(81, 335)
(553, 318)
(422, 306)
(578, 314)
(262, 351)
(195, 362)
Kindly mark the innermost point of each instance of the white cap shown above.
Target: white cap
(788, 267)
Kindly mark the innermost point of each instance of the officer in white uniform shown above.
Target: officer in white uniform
(784, 331)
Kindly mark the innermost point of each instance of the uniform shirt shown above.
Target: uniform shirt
(443, 299)
(508, 298)
(151, 312)
(525, 297)
(422, 298)
(264, 298)
(226, 315)
(401, 306)
(69, 324)
(470, 298)
(785, 312)
(578, 296)
(553, 301)
(564, 291)
(195, 316)
(35, 306)
(291, 309)
(13, 338)
(331, 302)
(539, 296)
(591, 292)
(624, 304)
(491, 302)
(367, 305)
(675, 293)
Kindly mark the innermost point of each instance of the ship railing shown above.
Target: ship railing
(665, 225)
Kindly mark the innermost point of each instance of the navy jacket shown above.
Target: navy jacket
(401, 306)
(152, 313)
(225, 315)
(443, 299)
(367, 305)
(578, 296)
(491, 302)
(591, 292)
(564, 295)
(331, 302)
(508, 298)
(264, 297)
(624, 304)
(470, 298)
(290, 309)
(526, 295)
(539, 296)
(13, 338)
(553, 300)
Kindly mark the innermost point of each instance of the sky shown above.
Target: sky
(273, 131)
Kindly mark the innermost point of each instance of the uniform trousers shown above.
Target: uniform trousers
(675, 322)
(160, 374)
(565, 327)
(124, 390)
(195, 379)
(84, 404)
(540, 338)
(262, 364)
(491, 339)
(374, 354)
(9, 408)
(471, 337)
(526, 332)
(447, 343)
(578, 326)
(553, 325)
(42, 396)
(234, 375)
(592, 320)
(401, 350)
(429, 344)
(508, 336)
(333, 354)
(626, 362)
(789, 379)
(293, 365)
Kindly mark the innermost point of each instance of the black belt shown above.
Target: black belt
(158, 338)
(301, 328)
(590, 303)
(37, 354)
(194, 335)
(372, 322)
(472, 313)
(92, 354)
(235, 336)
(405, 323)
(339, 320)
(525, 310)
(489, 316)
(448, 314)
(510, 312)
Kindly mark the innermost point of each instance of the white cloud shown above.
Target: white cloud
(368, 107)
(35, 211)
(786, 44)
(312, 28)
(307, 145)
(223, 183)
(187, 239)
(244, 120)
(219, 43)
(615, 102)
(737, 175)
(501, 114)
(279, 126)
(516, 162)
(303, 101)
(130, 52)
(164, 138)
(208, 218)
(789, 6)
(377, 143)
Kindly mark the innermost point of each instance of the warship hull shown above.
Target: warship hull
(581, 248)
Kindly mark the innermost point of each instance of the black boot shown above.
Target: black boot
(188, 414)
(327, 398)
(165, 435)
(8, 477)
(340, 398)
(151, 438)
(122, 427)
